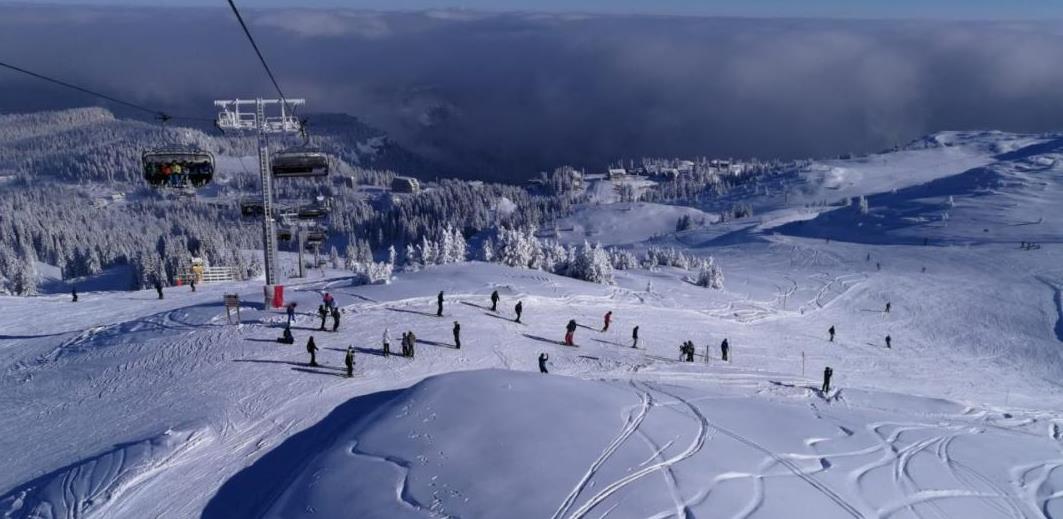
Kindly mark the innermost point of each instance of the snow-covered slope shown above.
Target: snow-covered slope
(122, 405)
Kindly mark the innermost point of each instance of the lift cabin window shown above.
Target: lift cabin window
(178, 169)
(301, 163)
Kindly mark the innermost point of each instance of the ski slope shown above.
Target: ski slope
(123, 405)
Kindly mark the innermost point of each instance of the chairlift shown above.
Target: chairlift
(315, 236)
(250, 207)
(284, 234)
(311, 212)
(299, 162)
(178, 167)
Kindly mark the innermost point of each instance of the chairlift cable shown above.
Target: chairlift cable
(159, 114)
(261, 58)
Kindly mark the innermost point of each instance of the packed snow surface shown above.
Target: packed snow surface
(124, 405)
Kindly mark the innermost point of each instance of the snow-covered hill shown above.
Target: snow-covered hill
(123, 405)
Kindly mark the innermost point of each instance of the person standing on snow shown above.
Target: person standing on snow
(439, 304)
(328, 300)
(192, 284)
(725, 347)
(457, 335)
(413, 343)
(889, 341)
(888, 306)
(494, 301)
(311, 348)
(348, 360)
(387, 342)
(322, 312)
(74, 293)
(827, 374)
(335, 318)
(543, 357)
(608, 319)
(291, 313)
(570, 329)
(519, 309)
(831, 332)
(635, 337)
(405, 344)
(158, 288)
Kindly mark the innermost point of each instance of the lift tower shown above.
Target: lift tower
(251, 115)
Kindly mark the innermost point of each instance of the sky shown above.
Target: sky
(503, 96)
(891, 9)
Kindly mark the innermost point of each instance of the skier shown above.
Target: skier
(827, 373)
(608, 319)
(328, 300)
(457, 335)
(868, 258)
(686, 351)
(831, 332)
(519, 309)
(405, 344)
(323, 313)
(878, 266)
(439, 304)
(311, 348)
(158, 288)
(349, 361)
(335, 318)
(570, 329)
(889, 341)
(290, 310)
(286, 336)
(192, 283)
(888, 306)
(494, 301)
(412, 339)
(543, 357)
(635, 337)
(725, 348)
(74, 293)
(387, 342)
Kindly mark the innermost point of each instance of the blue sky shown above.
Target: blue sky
(934, 9)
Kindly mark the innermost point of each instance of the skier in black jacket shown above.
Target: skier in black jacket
(635, 337)
(570, 329)
(827, 374)
(158, 288)
(457, 335)
(725, 347)
(543, 357)
(311, 348)
(335, 318)
(286, 336)
(519, 309)
(439, 304)
(349, 361)
(322, 312)
(74, 293)
(494, 301)
(831, 332)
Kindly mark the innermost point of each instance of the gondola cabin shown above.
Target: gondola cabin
(180, 168)
(299, 163)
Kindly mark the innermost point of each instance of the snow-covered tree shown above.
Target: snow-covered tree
(591, 263)
(710, 275)
(864, 209)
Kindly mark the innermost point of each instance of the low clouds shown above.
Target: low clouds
(507, 95)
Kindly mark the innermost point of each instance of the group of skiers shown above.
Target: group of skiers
(328, 308)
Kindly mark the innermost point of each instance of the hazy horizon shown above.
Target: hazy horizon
(504, 95)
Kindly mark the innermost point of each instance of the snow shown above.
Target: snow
(123, 405)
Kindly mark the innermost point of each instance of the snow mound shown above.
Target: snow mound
(93, 487)
(625, 223)
(644, 449)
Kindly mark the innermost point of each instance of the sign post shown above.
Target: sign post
(232, 301)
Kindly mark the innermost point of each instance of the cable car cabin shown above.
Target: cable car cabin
(299, 163)
(178, 167)
(315, 236)
(284, 234)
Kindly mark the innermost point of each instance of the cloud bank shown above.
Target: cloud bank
(503, 96)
